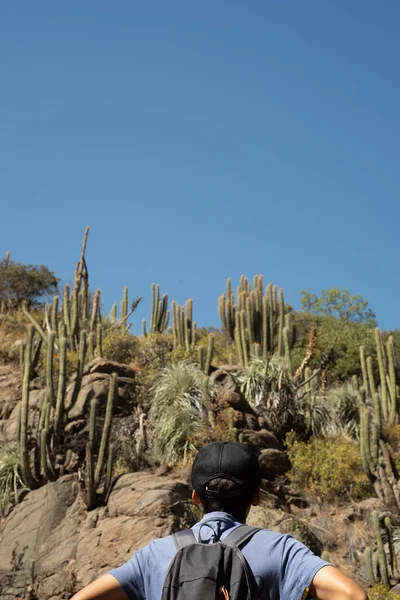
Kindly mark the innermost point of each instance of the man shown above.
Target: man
(226, 482)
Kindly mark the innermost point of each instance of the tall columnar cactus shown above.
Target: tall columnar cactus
(205, 357)
(383, 568)
(29, 479)
(184, 329)
(262, 318)
(227, 310)
(159, 312)
(124, 305)
(41, 439)
(382, 373)
(369, 565)
(80, 312)
(93, 476)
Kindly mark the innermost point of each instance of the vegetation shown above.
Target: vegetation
(380, 591)
(329, 468)
(177, 411)
(324, 381)
(11, 482)
(339, 303)
(24, 283)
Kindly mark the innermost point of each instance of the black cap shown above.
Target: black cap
(229, 460)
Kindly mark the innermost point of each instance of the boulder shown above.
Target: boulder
(70, 546)
(263, 439)
(273, 462)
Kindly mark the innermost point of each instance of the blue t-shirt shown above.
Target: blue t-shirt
(282, 566)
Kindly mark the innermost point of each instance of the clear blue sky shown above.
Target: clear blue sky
(202, 140)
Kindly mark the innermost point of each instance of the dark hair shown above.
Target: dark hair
(237, 507)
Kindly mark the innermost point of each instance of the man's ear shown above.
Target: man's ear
(196, 498)
(256, 498)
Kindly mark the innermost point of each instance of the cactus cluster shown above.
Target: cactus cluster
(379, 407)
(126, 311)
(41, 444)
(259, 323)
(184, 329)
(381, 565)
(159, 318)
(80, 312)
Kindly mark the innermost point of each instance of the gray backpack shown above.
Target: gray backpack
(217, 571)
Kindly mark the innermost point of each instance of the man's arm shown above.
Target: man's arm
(331, 584)
(104, 588)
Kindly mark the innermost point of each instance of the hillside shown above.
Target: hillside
(94, 419)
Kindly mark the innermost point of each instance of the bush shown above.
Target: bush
(329, 468)
(29, 283)
(345, 337)
(119, 345)
(9, 353)
(382, 592)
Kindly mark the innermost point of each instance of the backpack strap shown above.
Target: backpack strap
(240, 536)
(183, 538)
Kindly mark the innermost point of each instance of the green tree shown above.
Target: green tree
(340, 304)
(29, 283)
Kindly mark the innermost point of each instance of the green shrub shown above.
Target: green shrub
(382, 592)
(328, 468)
(29, 283)
(345, 337)
(119, 345)
(9, 353)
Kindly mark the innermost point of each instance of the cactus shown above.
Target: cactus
(382, 374)
(369, 564)
(28, 477)
(392, 554)
(94, 474)
(159, 310)
(209, 356)
(391, 379)
(183, 327)
(364, 368)
(286, 346)
(381, 551)
(262, 318)
(99, 341)
(124, 305)
(113, 313)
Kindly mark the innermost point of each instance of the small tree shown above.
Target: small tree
(340, 304)
(29, 283)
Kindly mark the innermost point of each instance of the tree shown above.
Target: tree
(29, 283)
(340, 304)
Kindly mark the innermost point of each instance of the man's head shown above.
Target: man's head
(226, 477)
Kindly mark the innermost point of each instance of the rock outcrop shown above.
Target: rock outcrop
(50, 546)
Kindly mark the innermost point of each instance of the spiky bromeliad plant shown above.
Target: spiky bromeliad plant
(177, 410)
(10, 477)
(345, 400)
(268, 386)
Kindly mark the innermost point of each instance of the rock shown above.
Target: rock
(263, 439)
(273, 462)
(72, 547)
(234, 399)
(301, 532)
(101, 365)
